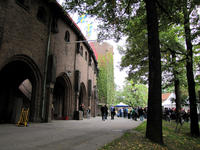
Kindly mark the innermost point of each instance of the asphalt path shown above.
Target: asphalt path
(87, 134)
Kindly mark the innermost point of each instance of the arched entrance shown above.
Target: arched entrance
(62, 95)
(19, 88)
(82, 98)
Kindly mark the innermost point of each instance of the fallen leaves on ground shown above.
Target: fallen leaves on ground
(135, 139)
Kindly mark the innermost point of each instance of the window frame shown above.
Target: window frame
(67, 36)
(86, 55)
(81, 50)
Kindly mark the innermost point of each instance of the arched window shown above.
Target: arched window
(86, 55)
(42, 15)
(81, 50)
(67, 36)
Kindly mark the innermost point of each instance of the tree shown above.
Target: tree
(194, 126)
(183, 12)
(154, 116)
(173, 53)
(135, 52)
(133, 94)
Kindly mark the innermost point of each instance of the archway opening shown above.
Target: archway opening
(17, 83)
(82, 99)
(59, 99)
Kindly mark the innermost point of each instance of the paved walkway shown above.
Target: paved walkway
(87, 134)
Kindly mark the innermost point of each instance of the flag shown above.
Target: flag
(81, 19)
(89, 30)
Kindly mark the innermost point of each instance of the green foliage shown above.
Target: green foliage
(135, 53)
(173, 55)
(133, 94)
(105, 80)
(102, 81)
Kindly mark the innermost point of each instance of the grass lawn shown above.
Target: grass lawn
(135, 139)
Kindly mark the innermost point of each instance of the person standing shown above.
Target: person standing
(134, 114)
(141, 114)
(103, 112)
(88, 112)
(106, 112)
(81, 108)
(129, 113)
(112, 110)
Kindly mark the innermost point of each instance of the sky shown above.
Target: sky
(119, 76)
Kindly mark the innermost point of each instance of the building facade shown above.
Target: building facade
(46, 64)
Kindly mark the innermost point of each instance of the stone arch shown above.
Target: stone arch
(83, 96)
(15, 72)
(62, 98)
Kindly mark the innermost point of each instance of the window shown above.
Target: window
(23, 3)
(89, 88)
(67, 36)
(90, 60)
(78, 47)
(42, 15)
(85, 55)
(81, 50)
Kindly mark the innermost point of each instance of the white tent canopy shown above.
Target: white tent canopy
(121, 105)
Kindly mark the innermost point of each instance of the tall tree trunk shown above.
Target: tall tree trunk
(154, 118)
(194, 126)
(176, 84)
(177, 93)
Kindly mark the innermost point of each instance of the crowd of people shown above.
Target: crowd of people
(170, 114)
(82, 108)
(137, 113)
(126, 112)
(141, 113)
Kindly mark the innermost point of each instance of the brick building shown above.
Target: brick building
(46, 64)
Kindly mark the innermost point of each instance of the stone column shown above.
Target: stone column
(76, 111)
(49, 97)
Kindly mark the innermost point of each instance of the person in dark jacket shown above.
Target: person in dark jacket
(141, 114)
(112, 110)
(103, 112)
(106, 112)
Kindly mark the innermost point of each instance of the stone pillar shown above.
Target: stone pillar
(77, 101)
(17, 107)
(76, 111)
(49, 97)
